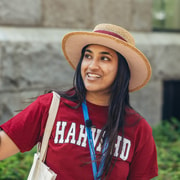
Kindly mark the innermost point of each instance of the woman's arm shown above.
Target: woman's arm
(7, 146)
(23, 131)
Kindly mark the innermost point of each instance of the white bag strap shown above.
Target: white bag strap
(49, 124)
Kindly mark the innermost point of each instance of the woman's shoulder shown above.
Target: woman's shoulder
(45, 100)
(136, 120)
(138, 129)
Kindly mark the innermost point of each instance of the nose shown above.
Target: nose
(94, 64)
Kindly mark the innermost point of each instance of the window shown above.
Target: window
(171, 100)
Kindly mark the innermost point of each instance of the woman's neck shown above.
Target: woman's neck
(95, 98)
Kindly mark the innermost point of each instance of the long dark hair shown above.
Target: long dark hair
(119, 100)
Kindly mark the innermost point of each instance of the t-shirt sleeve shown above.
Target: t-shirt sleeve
(144, 163)
(27, 127)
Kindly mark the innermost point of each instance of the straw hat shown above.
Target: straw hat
(114, 37)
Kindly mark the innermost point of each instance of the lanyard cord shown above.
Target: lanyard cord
(91, 146)
(90, 140)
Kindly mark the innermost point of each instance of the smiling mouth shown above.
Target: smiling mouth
(93, 75)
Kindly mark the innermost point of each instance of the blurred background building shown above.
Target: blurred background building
(31, 59)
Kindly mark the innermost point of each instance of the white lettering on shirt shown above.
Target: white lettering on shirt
(60, 132)
(117, 145)
(82, 135)
(125, 149)
(96, 137)
(71, 133)
(77, 135)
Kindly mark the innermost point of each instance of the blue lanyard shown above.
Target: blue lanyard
(91, 146)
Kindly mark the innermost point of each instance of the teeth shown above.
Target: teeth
(93, 75)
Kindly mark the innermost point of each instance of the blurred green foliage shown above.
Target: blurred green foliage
(17, 167)
(167, 138)
(166, 14)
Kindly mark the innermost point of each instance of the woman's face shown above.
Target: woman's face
(99, 68)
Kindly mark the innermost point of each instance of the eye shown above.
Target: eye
(105, 58)
(87, 56)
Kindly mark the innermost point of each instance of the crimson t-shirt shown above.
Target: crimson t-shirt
(68, 151)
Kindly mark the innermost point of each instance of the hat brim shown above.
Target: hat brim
(139, 66)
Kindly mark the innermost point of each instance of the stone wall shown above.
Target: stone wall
(131, 14)
(31, 58)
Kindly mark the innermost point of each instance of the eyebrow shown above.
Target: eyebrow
(88, 50)
(103, 52)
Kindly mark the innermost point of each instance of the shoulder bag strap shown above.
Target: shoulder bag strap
(49, 124)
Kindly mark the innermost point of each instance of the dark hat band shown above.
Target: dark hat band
(110, 33)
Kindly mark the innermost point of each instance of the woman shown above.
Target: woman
(108, 67)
